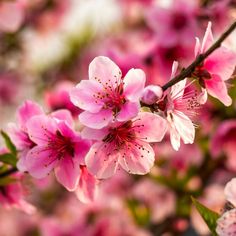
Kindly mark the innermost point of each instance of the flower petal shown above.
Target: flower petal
(63, 115)
(128, 111)
(40, 161)
(207, 39)
(222, 62)
(184, 126)
(136, 160)
(84, 95)
(67, 173)
(101, 161)
(26, 111)
(94, 134)
(150, 127)
(41, 129)
(87, 188)
(134, 82)
(96, 120)
(216, 87)
(105, 70)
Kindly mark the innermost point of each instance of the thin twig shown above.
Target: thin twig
(199, 59)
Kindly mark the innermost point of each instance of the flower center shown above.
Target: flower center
(179, 21)
(62, 145)
(121, 135)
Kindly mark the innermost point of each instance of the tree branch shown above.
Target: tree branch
(200, 58)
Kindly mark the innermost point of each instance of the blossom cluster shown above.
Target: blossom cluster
(145, 129)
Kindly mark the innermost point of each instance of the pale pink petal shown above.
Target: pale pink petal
(174, 137)
(184, 126)
(207, 39)
(11, 16)
(87, 187)
(197, 47)
(96, 120)
(177, 90)
(41, 129)
(174, 69)
(226, 224)
(22, 162)
(63, 115)
(94, 134)
(26, 111)
(230, 191)
(134, 83)
(222, 62)
(128, 111)
(136, 160)
(216, 87)
(40, 161)
(150, 127)
(67, 173)
(101, 160)
(202, 97)
(105, 70)
(84, 95)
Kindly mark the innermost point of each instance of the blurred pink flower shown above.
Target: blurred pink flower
(160, 200)
(230, 191)
(106, 96)
(11, 15)
(58, 98)
(216, 68)
(224, 140)
(58, 147)
(12, 195)
(125, 144)
(174, 24)
(19, 132)
(226, 224)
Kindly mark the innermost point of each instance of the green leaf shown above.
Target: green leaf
(9, 143)
(8, 158)
(210, 217)
(7, 180)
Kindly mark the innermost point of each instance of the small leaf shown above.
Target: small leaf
(9, 143)
(210, 217)
(8, 158)
(7, 180)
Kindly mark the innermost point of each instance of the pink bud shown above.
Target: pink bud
(151, 94)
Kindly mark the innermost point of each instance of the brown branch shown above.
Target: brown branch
(199, 59)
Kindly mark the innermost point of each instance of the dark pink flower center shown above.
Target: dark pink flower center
(62, 145)
(121, 134)
(179, 21)
(112, 98)
(202, 74)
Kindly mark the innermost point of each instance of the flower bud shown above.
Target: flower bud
(151, 94)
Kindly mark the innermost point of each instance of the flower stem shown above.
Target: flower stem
(199, 59)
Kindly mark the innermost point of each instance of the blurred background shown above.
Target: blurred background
(45, 49)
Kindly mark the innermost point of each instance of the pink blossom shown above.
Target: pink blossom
(19, 132)
(58, 98)
(12, 195)
(224, 140)
(226, 224)
(106, 96)
(216, 68)
(230, 191)
(175, 23)
(58, 147)
(11, 15)
(124, 144)
(178, 107)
